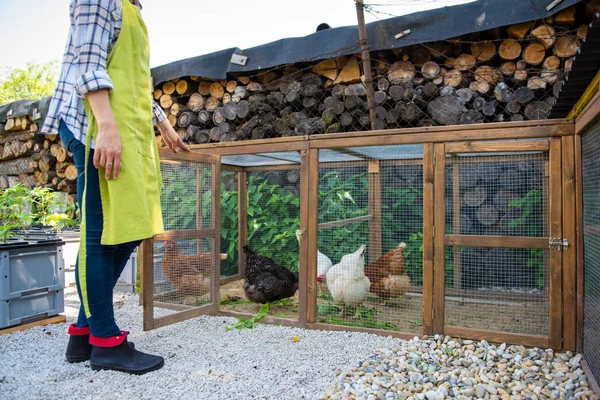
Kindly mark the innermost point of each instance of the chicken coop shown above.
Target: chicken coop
(471, 231)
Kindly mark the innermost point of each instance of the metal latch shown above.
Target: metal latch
(558, 244)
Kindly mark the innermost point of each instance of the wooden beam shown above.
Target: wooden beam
(428, 224)
(167, 154)
(516, 242)
(286, 167)
(485, 147)
(215, 224)
(187, 234)
(381, 332)
(556, 300)
(579, 240)
(343, 222)
(57, 319)
(588, 116)
(439, 265)
(184, 316)
(147, 268)
(374, 188)
(498, 337)
(569, 255)
(253, 146)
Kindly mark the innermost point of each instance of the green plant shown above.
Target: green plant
(527, 204)
(245, 323)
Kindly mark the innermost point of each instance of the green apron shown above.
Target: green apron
(130, 203)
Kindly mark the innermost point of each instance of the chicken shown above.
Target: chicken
(323, 262)
(388, 277)
(189, 274)
(347, 282)
(266, 280)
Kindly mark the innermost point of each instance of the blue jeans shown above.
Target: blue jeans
(104, 263)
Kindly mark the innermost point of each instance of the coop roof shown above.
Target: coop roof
(584, 68)
(425, 26)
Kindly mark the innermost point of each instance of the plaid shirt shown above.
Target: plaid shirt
(95, 26)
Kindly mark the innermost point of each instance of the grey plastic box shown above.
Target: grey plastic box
(32, 307)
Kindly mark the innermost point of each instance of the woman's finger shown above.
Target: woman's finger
(116, 167)
(108, 168)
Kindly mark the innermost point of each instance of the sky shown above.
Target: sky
(36, 30)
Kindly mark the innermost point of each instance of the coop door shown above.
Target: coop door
(498, 204)
(181, 267)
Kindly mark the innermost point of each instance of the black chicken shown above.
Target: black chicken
(266, 280)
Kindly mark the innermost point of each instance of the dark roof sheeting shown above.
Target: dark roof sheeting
(425, 26)
(584, 68)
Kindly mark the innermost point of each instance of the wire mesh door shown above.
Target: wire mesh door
(181, 266)
(499, 205)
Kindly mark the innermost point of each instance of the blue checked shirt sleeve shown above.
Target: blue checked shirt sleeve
(92, 29)
(158, 115)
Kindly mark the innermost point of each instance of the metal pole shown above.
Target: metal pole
(366, 61)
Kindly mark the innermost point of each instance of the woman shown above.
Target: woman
(103, 110)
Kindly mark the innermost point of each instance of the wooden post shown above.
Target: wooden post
(456, 222)
(375, 238)
(215, 223)
(242, 221)
(556, 300)
(439, 240)
(366, 61)
(579, 240)
(428, 210)
(569, 255)
(147, 266)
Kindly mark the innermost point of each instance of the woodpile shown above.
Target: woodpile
(33, 160)
(510, 74)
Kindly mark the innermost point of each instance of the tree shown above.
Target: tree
(33, 82)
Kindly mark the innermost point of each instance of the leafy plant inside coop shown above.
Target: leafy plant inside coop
(245, 323)
(365, 319)
(530, 217)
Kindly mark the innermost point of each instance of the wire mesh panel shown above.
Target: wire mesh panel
(272, 217)
(184, 255)
(500, 286)
(591, 252)
(370, 228)
(229, 223)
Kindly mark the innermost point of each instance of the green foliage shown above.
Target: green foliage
(527, 205)
(33, 82)
(366, 317)
(21, 208)
(245, 323)
(178, 200)
(536, 261)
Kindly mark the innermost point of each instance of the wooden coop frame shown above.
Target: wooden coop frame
(557, 137)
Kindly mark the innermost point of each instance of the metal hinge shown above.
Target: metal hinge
(558, 244)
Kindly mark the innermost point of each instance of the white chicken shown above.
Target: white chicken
(347, 282)
(323, 262)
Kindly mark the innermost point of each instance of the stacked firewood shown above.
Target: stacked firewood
(505, 74)
(33, 160)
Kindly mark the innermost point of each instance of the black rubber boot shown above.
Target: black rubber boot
(79, 348)
(116, 354)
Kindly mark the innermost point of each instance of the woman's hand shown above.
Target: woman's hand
(170, 137)
(108, 149)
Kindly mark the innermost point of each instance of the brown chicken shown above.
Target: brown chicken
(388, 277)
(189, 274)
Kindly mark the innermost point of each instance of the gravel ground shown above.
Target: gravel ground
(205, 361)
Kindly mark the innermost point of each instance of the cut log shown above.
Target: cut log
(445, 110)
(513, 107)
(476, 196)
(536, 82)
(465, 62)
(582, 32)
(168, 88)
(204, 117)
(550, 69)
(518, 31)
(401, 92)
(71, 172)
(346, 119)
(15, 167)
(166, 101)
(510, 49)
(508, 68)
(430, 90)
(465, 95)
(565, 17)
(242, 109)
(483, 51)
(420, 55)
(59, 152)
(172, 119)
(401, 72)
(503, 93)
(195, 102)
(480, 87)
(380, 97)
(478, 103)
(211, 104)
(520, 76)
(353, 102)
(239, 94)
(230, 86)
(566, 46)
(471, 117)
(187, 118)
(177, 108)
(517, 117)
(537, 110)
(430, 70)
(186, 87)
(327, 68)
(255, 87)
(27, 180)
(489, 109)
(535, 53)
(202, 136)
(523, 95)
(545, 35)
(157, 93)
(276, 99)
(244, 80)
(230, 111)
(217, 90)
(204, 88)
(409, 112)
(485, 73)
(67, 186)
(350, 73)
(334, 104)
(383, 84)
(218, 117)
(453, 78)
(440, 50)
